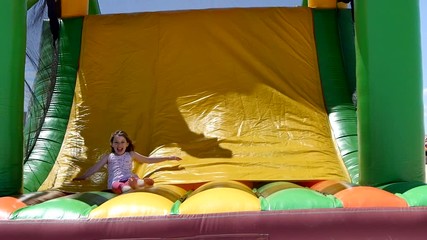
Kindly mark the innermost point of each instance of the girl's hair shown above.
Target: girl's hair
(121, 133)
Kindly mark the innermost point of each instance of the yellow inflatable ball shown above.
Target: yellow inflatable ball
(220, 200)
(170, 192)
(133, 205)
(222, 184)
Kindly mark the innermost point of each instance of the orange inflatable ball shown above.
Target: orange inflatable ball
(331, 186)
(8, 205)
(362, 196)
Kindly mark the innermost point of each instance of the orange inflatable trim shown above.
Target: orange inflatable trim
(74, 8)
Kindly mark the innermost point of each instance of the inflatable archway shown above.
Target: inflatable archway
(256, 113)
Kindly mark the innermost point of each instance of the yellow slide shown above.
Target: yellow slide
(202, 85)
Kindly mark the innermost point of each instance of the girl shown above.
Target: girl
(119, 162)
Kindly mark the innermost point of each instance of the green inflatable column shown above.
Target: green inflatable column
(94, 7)
(389, 82)
(12, 67)
(31, 3)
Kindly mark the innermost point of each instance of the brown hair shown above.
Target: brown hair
(121, 133)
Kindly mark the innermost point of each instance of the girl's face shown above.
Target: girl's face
(119, 145)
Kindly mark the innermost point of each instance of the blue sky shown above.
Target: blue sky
(111, 6)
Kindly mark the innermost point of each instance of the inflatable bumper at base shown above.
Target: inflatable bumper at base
(221, 210)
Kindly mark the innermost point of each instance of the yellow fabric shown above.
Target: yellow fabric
(234, 92)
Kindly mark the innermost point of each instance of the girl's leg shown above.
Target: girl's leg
(120, 187)
(137, 182)
(148, 182)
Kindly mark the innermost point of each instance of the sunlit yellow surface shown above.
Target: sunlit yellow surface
(235, 93)
(133, 205)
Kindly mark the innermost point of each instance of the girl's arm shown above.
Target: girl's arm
(95, 168)
(144, 159)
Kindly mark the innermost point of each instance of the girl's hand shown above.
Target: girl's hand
(174, 158)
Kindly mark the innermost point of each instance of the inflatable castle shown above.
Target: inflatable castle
(260, 103)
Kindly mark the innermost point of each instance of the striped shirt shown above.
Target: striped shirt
(119, 168)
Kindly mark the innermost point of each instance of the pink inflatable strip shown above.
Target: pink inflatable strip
(372, 223)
